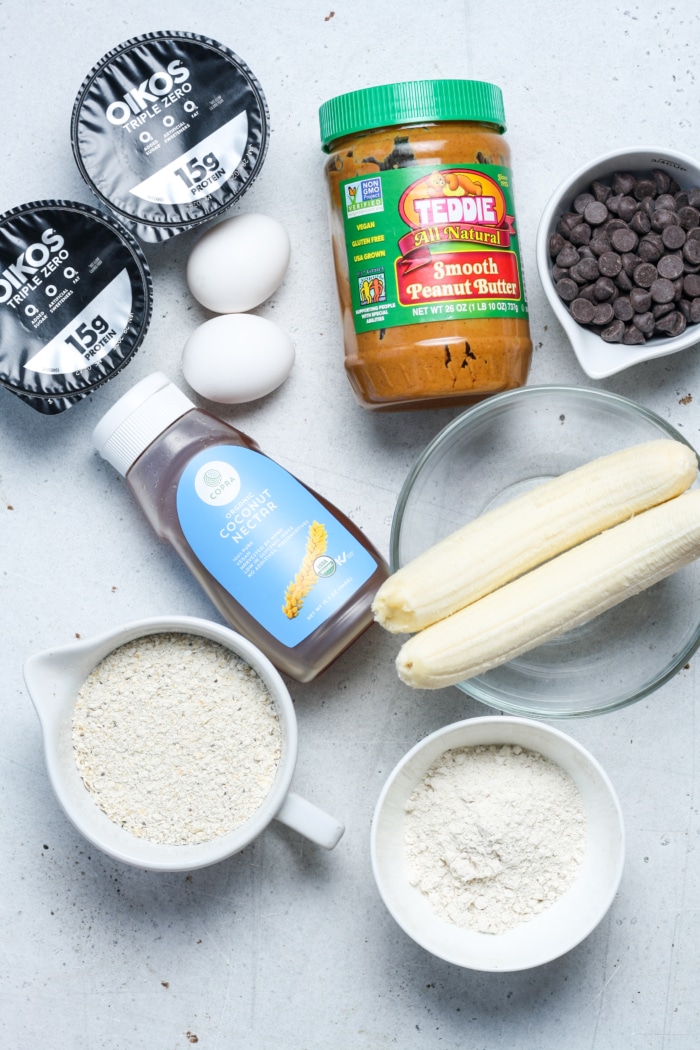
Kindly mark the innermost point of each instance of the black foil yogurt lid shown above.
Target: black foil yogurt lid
(168, 130)
(75, 301)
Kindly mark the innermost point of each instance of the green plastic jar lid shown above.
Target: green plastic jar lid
(410, 102)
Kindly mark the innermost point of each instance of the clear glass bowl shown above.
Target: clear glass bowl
(500, 448)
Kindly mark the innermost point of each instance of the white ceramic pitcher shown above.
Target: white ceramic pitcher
(53, 679)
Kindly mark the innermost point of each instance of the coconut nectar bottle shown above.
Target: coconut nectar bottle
(283, 566)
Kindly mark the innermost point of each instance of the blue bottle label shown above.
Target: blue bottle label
(269, 541)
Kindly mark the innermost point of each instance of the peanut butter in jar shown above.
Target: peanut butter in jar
(425, 244)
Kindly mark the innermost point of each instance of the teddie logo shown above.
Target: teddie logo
(461, 198)
(459, 245)
(217, 483)
(153, 89)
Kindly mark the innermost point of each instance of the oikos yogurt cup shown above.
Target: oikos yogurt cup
(75, 301)
(168, 130)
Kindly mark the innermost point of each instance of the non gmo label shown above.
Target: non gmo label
(426, 244)
(274, 547)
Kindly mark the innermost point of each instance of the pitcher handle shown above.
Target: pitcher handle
(310, 821)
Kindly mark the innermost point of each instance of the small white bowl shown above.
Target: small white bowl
(53, 679)
(549, 934)
(597, 358)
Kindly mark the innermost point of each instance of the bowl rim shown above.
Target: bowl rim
(551, 733)
(474, 687)
(624, 356)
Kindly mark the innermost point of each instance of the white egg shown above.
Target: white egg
(237, 357)
(239, 263)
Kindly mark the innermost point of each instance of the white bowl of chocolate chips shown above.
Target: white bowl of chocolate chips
(618, 253)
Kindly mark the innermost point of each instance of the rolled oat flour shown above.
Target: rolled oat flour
(494, 835)
(176, 738)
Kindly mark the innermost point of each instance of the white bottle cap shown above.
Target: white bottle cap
(137, 418)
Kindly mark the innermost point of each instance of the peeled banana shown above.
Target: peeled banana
(511, 539)
(553, 598)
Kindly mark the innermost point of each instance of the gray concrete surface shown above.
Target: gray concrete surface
(285, 946)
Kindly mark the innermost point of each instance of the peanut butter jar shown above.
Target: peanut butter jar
(425, 243)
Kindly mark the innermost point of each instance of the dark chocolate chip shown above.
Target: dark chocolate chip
(662, 290)
(588, 268)
(610, 264)
(604, 313)
(595, 213)
(567, 256)
(689, 217)
(556, 243)
(670, 266)
(661, 309)
(624, 240)
(663, 217)
(640, 222)
(567, 289)
(640, 299)
(576, 275)
(695, 311)
(614, 332)
(582, 201)
(691, 285)
(633, 336)
(604, 289)
(691, 250)
(645, 274)
(644, 322)
(623, 182)
(567, 223)
(580, 234)
(558, 272)
(627, 207)
(662, 180)
(624, 281)
(600, 190)
(644, 188)
(599, 244)
(649, 249)
(582, 310)
(671, 324)
(694, 197)
(623, 308)
(673, 237)
(630, 261)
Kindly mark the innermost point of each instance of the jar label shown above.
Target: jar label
(274, 547)
(431, 244)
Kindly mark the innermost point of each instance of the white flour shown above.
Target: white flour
(176, 738)
(493, 836)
